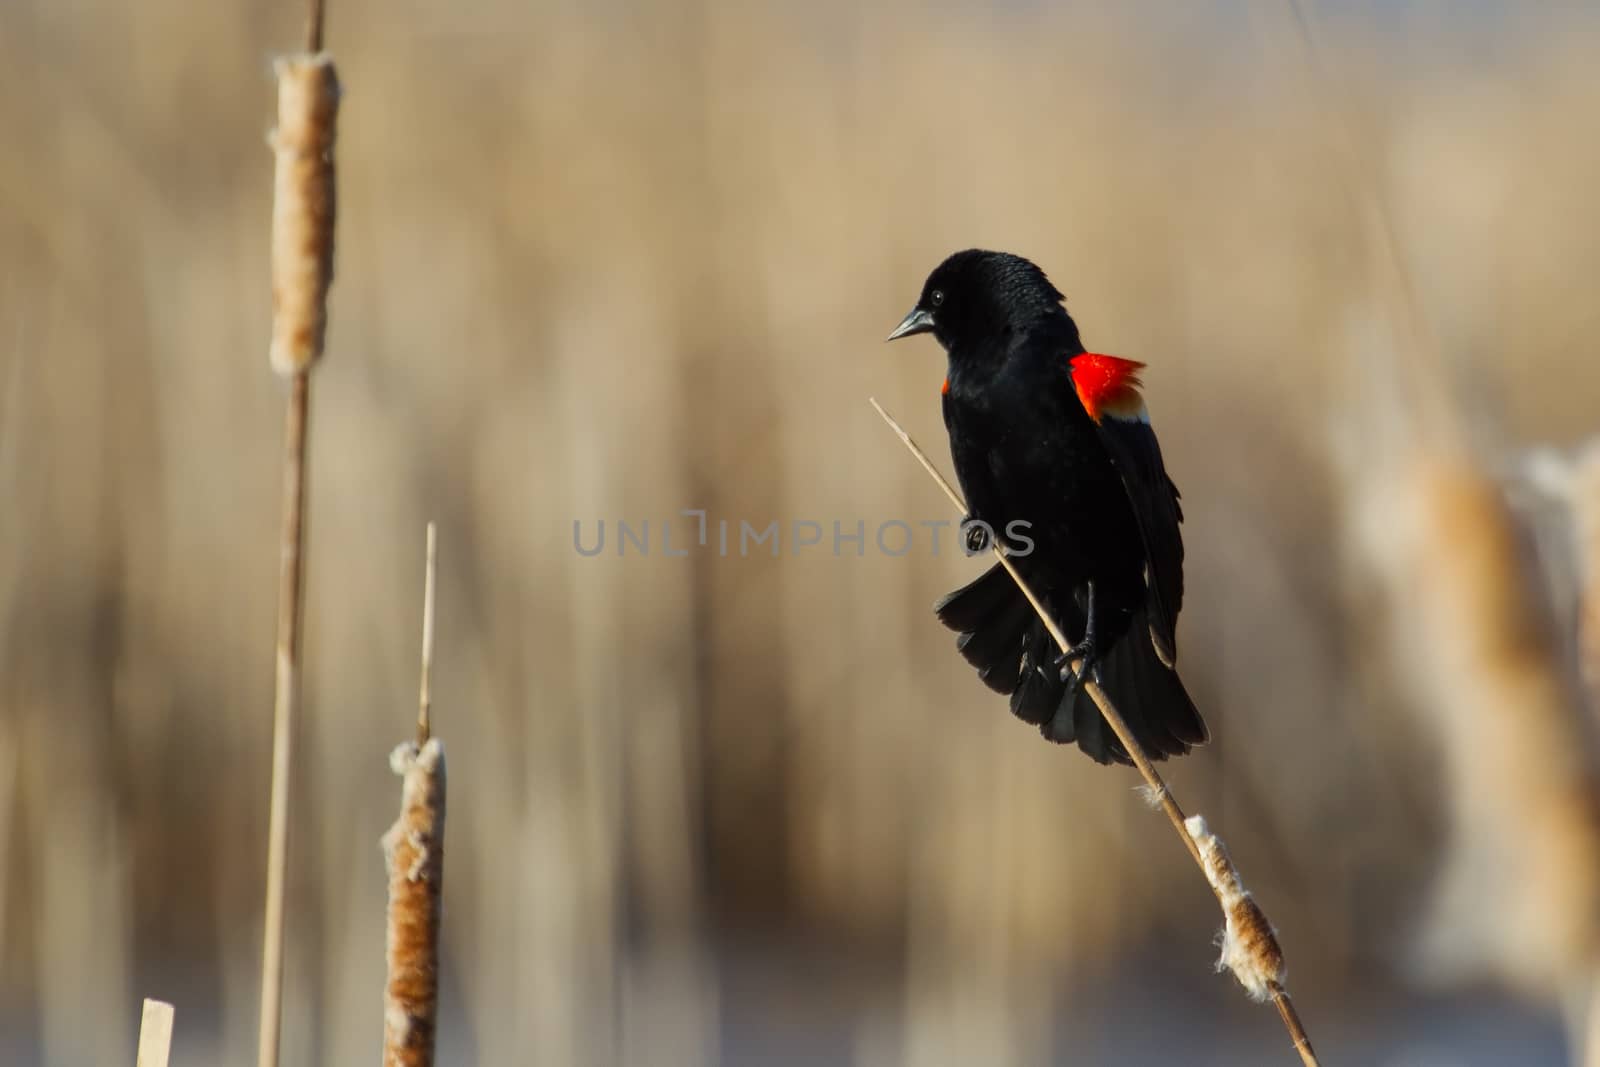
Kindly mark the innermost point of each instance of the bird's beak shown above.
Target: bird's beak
(918, 321)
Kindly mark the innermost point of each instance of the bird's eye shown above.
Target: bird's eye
(936, 297)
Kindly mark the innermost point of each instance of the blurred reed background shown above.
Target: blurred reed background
(618, 260)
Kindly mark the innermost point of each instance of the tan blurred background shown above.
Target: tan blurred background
(617, 260)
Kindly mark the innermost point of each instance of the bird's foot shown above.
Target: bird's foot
(1087, 653)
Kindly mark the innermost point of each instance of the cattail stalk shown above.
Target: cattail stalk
(1250, 945)
(413, 851)
(302, 268)
(285, 701)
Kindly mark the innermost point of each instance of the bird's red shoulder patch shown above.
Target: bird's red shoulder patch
(944, 390)
(1108, 385)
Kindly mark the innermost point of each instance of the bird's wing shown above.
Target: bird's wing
(1137, 456)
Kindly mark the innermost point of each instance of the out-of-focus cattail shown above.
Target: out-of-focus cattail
(302, 267)
(1572, 566)
(1475, 648)
(302, 209)
(1249, 943)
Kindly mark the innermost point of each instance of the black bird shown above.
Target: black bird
(1054, 451)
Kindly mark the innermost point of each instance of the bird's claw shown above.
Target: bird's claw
(1087, 653)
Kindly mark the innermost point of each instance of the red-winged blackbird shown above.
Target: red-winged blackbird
(1043, 432)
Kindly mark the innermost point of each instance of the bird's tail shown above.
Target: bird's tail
(993, 618)
(1004, 639)
(1148, 693)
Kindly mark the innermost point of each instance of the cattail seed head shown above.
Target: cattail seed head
(302, 209)
(414, 852)
(1249, 944)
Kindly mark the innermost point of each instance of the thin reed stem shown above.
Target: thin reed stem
(314, 19)
(1292, 1023)
(1192, 832)
(291, 574)
(425, 689)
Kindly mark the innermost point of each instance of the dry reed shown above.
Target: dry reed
(1249, 944)
(302, 268)
(413, 851)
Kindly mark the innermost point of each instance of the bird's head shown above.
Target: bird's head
(976, 299)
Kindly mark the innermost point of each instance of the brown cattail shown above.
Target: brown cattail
(414, 854)
(1476, 648)
(302, 267)
(302, 209)
(1249, 944)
